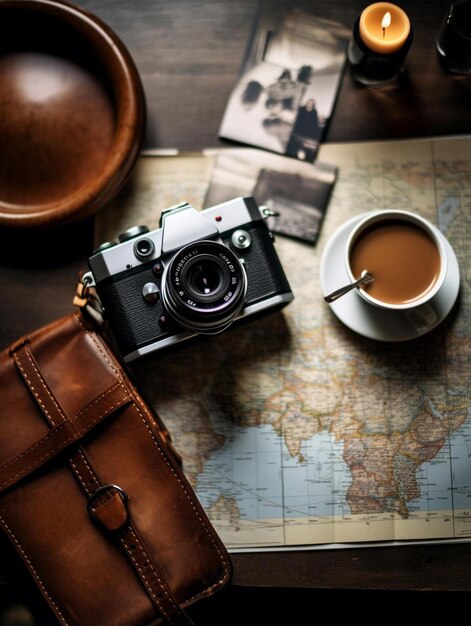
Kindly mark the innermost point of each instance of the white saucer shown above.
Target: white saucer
(369, 320)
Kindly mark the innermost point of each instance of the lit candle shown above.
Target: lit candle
(382, 36)
(384, 27)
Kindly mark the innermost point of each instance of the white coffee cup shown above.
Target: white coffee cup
(407, 257)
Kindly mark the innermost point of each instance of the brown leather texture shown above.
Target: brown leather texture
(92, 495)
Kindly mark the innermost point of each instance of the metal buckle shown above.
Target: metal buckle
(112, 489)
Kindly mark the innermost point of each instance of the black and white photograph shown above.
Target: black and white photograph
(286, 92)
(297, 193)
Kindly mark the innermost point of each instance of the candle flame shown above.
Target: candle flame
(386, 23)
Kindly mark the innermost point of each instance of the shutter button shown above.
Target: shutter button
(241, 239)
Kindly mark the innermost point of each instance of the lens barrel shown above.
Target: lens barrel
(204, 287)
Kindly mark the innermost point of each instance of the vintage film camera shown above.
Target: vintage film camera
(197, 274)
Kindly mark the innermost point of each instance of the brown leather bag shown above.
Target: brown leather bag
(92, 494)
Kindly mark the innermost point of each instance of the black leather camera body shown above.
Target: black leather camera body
(199, 273)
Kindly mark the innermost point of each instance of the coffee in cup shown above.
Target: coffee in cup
(405, 254)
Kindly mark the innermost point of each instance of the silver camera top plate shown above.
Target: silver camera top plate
(180, 226)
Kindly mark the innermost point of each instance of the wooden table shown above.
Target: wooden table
(189, 53)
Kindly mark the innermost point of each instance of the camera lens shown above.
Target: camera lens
(204, 287)
(204, 277)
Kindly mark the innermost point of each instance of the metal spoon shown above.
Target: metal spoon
(365, 279)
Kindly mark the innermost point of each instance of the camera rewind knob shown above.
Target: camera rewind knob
(104, 246)
(135, 231)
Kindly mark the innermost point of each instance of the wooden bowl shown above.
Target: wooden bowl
(72, 113)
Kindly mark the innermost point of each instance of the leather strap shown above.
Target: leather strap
(109, 507)
(107, 512)
(64, 431)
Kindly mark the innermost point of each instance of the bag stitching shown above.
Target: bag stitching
(41, 378)
(148, 585)
(146, 582)
(135, 404)
(12, 535)
(226, 569)
(89, 469)
(61, 426)
(66, 441)
(32, 387)
(98, 345)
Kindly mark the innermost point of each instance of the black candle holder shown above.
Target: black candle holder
(371, 68)
(454, 38)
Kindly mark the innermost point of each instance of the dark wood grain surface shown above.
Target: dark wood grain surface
(188, 53)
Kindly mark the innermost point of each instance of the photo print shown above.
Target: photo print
(286, 92)
(297, 192)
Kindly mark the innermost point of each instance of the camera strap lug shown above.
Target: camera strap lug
(86, 298)
(267, 212)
